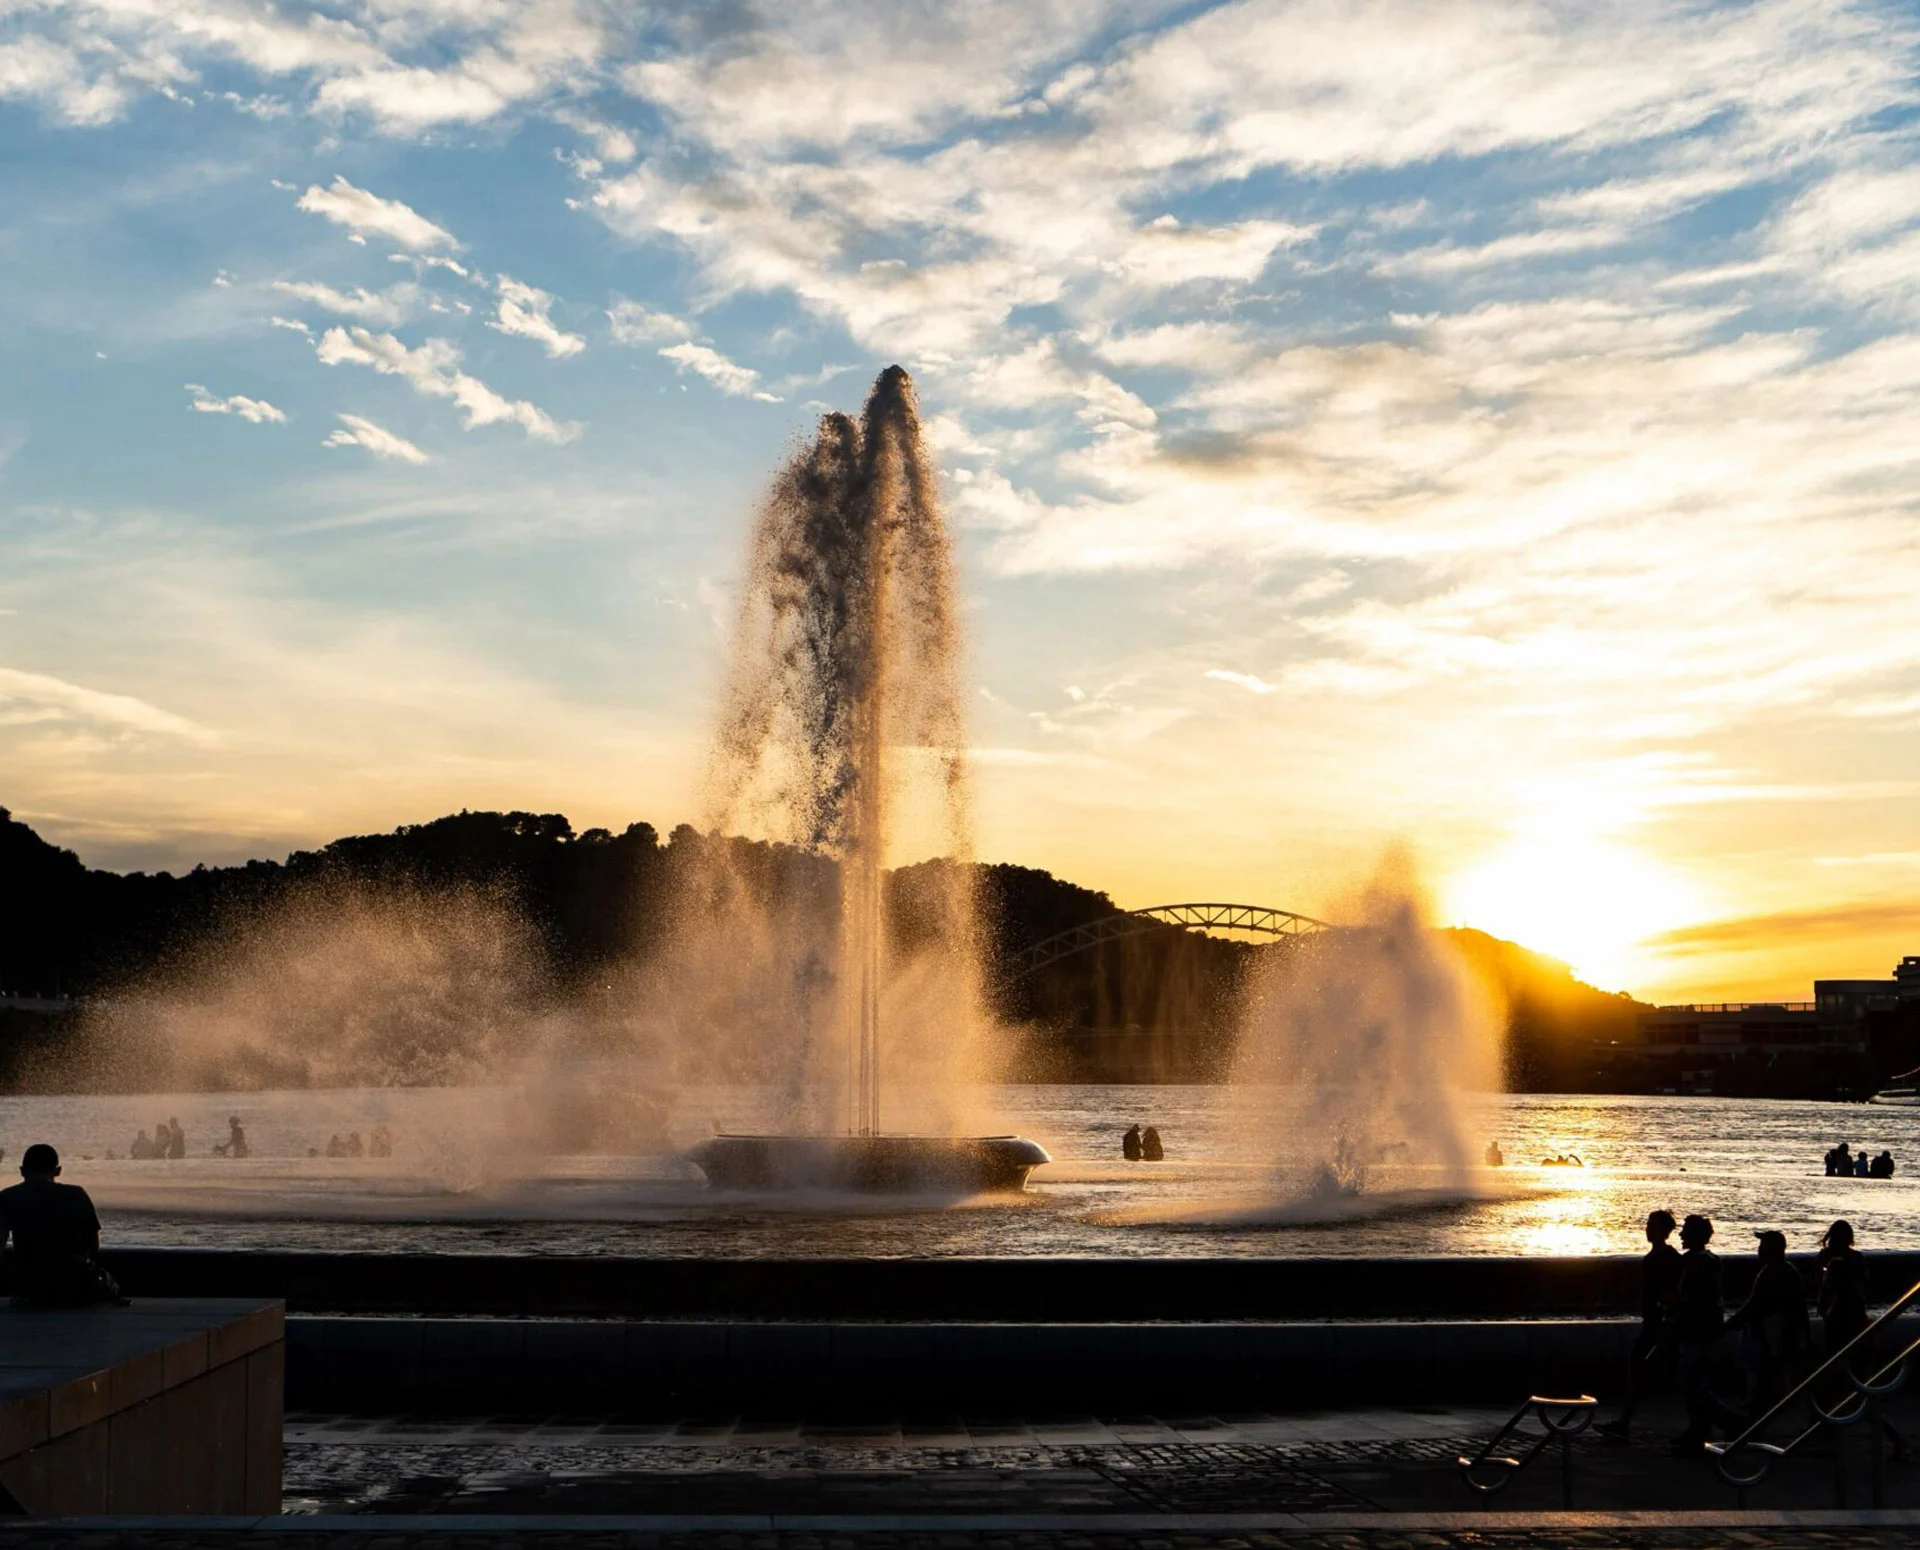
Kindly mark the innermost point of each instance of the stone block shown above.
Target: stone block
(266, 1428)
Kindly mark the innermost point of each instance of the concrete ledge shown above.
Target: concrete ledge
(1079, 1291)
(161, 1406)
(507, 1365)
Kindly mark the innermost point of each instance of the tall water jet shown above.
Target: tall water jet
(1360, 1055)
(843, 732)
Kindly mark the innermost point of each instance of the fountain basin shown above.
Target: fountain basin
(870, 1165)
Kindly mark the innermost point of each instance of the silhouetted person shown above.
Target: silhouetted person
(1860, 1164)
(1842, 1301)
(1130, 1144)
(1774, 1331)
(162, 1139)
(176, 1139)
(1495, 1157)
(142, 1147)
(1839, 1159)
(335, 1146)
(1659, 1280)
(1698, 1322)
(381, 1143)
(1882, 1166)
(236, 1143)
(355, 1147)
(1150, 1148)
(56, 1237)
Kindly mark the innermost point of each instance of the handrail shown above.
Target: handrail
(1562, 1420)
(1865, 1392)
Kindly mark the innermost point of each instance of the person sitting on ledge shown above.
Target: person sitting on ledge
(335, 1146)
(381, 1144)
(1495, 1157)
(1861, 1165)
(176, 1138)
(236, 1143)
(1839, 1159)
(1150, 1148)
(56, 1237)
(355, 1147)
(1881, 1167)
(1130, 1144)
(142, 1147)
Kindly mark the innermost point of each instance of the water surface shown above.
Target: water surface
(461, 1182)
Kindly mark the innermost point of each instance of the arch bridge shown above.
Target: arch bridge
(1254, 919)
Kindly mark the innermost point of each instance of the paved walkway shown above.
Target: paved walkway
(1349, 1462)
(1832, 1531)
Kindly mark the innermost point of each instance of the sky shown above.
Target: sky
(1487, 427)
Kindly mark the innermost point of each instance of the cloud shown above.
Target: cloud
(35, 697)
(393, 305)
(703, 361)
(633, 322)
(382, 443)
(1757, 932)
(365, 214)
(523, 310)
(256, 411)
(433, 371)
(1251, 682)
(295, 324)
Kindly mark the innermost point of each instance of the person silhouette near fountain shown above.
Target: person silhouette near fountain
(1130, 1144)
(1699, 1320)
(56, 1237)
(1653, 1347)
(1151, 1149)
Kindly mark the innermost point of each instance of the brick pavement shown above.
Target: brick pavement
(1487, 1532)
(1348, 1462)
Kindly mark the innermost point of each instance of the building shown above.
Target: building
(1690, 1048)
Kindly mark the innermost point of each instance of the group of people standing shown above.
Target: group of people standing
(1684, 1319)
(1843, 1162)
(381, 1144)
(167, 1140)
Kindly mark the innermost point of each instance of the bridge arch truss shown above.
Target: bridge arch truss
(1251, 919)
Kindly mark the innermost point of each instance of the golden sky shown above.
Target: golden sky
(1488, 427)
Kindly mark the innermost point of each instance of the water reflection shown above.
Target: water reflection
(1747, 1164)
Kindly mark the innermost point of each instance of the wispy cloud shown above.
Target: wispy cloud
(368, 215)
(394, 305)
(1750, 932)
(433, 370)
(32, 697)
(633, 322)
(728, 376)
(256, 411)
(1253, 683)
(354, 431)
(524, 310)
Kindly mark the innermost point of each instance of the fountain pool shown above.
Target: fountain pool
(458, 1184)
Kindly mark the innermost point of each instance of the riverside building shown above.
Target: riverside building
(1833, 1040)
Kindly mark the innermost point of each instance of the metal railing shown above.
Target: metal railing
(1861, 1401)
(1561, 1420)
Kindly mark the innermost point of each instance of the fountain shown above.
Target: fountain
(843, 728)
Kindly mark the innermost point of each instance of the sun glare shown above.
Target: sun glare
(1587, 900)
